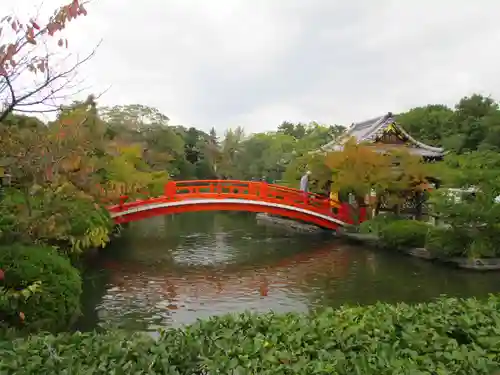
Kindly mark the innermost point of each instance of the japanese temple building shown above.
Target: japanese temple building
(384, 132)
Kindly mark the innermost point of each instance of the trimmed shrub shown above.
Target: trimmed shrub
(57, 302)
(457, 242)
(484, 243)
(446, 242)
(448, 336)
(404, 234)
(376, 224)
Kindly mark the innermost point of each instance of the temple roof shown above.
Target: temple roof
(368, 131)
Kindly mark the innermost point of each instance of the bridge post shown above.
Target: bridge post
(170, 189)
(252, 188)
(362, 214)
(263, 190)
(122, 200)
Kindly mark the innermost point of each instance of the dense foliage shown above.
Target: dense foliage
(474, 124)
(449, 336)
(467, 215)
(472, 213)
(377, 223)
(396, 232)
(62, 174)
(50, 288)
(404, 234)
(448, 242)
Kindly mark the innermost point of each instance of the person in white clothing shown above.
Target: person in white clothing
(304, 184)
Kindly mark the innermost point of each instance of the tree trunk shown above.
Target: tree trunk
(378, 204)
(397, 209)
(419, 200)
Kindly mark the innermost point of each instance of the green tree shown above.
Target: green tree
(231, 147)
(265, 154)
(134, 117)
(432, 124)
(473, 214)
(363, 168)
(64, 174)
(54, 180)
(473, 124)
(303, 156)
(162, 146)
(476, 116)
(297, 131)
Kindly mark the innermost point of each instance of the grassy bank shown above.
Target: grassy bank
(448, 336)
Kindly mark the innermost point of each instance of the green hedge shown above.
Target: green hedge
(57, 302)
(377, 223)
(447, 242)
(404, 234)
(448, 336)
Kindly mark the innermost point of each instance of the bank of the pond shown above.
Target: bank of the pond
(473, 264)
(447, 336)
(467, 249)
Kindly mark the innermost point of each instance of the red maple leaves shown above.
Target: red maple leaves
(28, 33)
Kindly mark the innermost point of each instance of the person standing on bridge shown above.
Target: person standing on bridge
(304, 184)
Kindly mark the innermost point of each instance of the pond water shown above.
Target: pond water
(172, 270)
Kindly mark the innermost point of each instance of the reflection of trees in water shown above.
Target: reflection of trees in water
(157, 269)
(393, 277)
(207, 238)
(204, 283)
(95, 282)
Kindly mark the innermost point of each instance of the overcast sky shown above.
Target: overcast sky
(256, 63)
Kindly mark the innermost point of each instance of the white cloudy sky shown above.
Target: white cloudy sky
(256, 63)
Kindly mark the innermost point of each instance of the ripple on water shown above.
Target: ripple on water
(175, 274)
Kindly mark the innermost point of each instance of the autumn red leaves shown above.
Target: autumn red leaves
(29, 33)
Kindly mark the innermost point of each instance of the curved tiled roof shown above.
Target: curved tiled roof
(370, 129)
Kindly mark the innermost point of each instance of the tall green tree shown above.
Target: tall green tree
(476, 116)
(231, 147)
(162, 146)
(473, 124)
(432, 124)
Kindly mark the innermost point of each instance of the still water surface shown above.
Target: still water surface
(170, 271)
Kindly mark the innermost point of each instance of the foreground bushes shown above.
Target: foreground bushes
(55, 303)
(449, 336)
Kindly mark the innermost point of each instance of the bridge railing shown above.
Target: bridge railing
(245, 190)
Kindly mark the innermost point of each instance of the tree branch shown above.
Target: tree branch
(49, 79)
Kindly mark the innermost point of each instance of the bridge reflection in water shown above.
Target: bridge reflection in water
(172, 270)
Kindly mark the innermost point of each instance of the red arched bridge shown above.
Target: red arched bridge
(234, 195)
